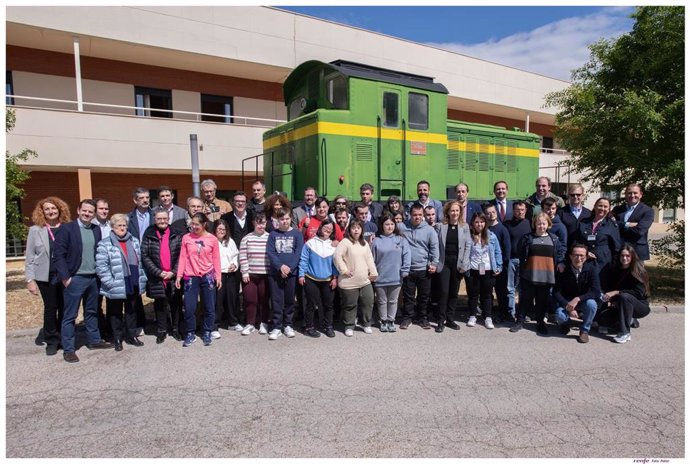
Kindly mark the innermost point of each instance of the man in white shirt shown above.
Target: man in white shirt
(165, 200)
(504, 207)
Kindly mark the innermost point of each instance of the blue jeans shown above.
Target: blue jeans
(282, 299)
(588, 308)
(205, 285)
(513, 281)
(80, 287)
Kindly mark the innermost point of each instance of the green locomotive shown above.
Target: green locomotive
(350, 124)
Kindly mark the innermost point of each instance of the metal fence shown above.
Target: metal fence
(15, 248)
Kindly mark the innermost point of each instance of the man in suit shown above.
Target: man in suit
(574, 212)
(366, 194)
(140, 219)
(74, 258)
(423, 190)
(462, 190)
(307, 209)
(504, 207)
(165, 200)
(194, 205)
(634, 220)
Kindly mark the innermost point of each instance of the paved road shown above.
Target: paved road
(472, 393)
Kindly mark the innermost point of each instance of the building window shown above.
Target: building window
(9, 88)
(547, 144)
(390, 109)
(418, 110)
(214, 104)
(148, 100)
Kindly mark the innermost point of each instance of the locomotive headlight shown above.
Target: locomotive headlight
(341, 179)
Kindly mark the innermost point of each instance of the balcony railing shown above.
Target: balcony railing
(187, 115)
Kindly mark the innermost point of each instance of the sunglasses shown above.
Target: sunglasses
(575, 194)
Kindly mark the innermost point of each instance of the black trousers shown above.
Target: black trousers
(227, 301)
(419, 282)
(114, 309)
(52, 311)
(319, 297)
(448, 281)
(621, 312)
(169, 311)
(533, 296)
(501, 287)
(479, 289)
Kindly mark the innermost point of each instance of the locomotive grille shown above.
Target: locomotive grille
(364, 152)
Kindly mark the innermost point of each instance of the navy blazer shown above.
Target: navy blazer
(472, 208)
(585, 285)
(636, 236)
(606, 242)
(68, 248)
(509, 210)
(572, 223)
(133, 226)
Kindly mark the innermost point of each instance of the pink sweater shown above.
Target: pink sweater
(199, 256)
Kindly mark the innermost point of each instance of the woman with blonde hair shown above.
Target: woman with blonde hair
(48, 215)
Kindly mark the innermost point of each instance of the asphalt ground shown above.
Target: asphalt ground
(467, 394)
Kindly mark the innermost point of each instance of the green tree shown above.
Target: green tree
(623, 117)
(15, 177)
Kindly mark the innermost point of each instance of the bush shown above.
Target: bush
(671, 249)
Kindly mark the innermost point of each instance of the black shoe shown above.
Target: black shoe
(635, 324)
(134, 341)
(424, 324)
(160, 338)
(564, 328)
(176, 335)
(101, 345)
(51, 350)
(452, 325)
(70, 357)
(329, 332)
(542, 329)
(405, 324)
(311, 332)
(118, 344)
(439, 328)
(40, 338)
(516, 327)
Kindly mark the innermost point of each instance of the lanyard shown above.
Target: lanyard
(50, 232)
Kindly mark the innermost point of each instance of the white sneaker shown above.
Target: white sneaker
(472, 321)
(248, 329)
(289, 333)
(349, 332)
(622, 338)
(367, 330)
(263, 330)
(215, 335)
(238, 328)
(488, 323)
(275, 333)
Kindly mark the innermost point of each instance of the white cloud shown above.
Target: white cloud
(552, 50)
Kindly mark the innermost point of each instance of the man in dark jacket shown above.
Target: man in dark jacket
(518, 226)
(160, 253)
(634, 220)
(503, 236)
(74, 257)
(577, 290)
(574, 212)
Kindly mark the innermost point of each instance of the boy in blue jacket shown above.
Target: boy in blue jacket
(284, 248)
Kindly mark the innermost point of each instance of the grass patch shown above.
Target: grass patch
(667, 285)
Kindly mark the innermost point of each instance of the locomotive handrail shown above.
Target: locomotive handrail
(324, 167)
(404, 146)
(378, 156)
(256, 169)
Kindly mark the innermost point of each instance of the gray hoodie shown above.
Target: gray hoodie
(423, 241)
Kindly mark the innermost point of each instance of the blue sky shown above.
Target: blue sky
(547, 40)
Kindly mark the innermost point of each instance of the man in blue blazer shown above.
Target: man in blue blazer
(462, 190)
(140, 219)
(634, 220)
(504, 207)
(74, 257)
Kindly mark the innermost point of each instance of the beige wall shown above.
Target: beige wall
(183, 100)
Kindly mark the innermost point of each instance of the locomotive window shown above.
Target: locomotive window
(390, 109)
(296, 107)
(336, 92)
(418, 111)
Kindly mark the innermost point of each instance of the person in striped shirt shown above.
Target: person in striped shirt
(254, 270)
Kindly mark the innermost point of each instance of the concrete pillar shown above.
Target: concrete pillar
(77, 74)
(526, 122)
(84, 176)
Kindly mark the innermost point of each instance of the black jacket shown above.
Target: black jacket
(572, 223)
(236, 232)
(636, 236)
(585, 285)
(151, 259)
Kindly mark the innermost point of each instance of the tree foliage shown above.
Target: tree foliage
(623, 117)
(15, 176)
(670, 249)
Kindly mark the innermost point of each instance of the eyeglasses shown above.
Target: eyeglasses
(239, 202)
(575, 194)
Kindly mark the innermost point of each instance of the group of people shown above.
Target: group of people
(336, 260)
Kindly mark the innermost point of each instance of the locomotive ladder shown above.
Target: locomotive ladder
(403, 145)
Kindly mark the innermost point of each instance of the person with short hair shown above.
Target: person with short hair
(550, 207)
(540, 254)
(462, 191)
(307, 209)
(199, 268)
(165, 201)
(504, 207)
(101, 220)
(369, 229)
(160, 255)
(258, 200)
(123, 280)
(543, 191)
(574, 211)
(430, 216)
(366, 194)
(341, 219)
(356, 272)
(576, 292)
(423, 241)
(634, 219)
(39, 268)
(518, 226)
(214, 207)
(391, 254)
(140, 219)
(254, 267)
(195, 205)
(423, 191)
(74, 259)
(503, 237)
(284, 249)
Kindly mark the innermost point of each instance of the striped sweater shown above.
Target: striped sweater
(253, 256)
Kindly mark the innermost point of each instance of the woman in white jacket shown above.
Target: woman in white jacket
(226, 297)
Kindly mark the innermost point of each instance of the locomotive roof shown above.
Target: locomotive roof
(363, 71)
